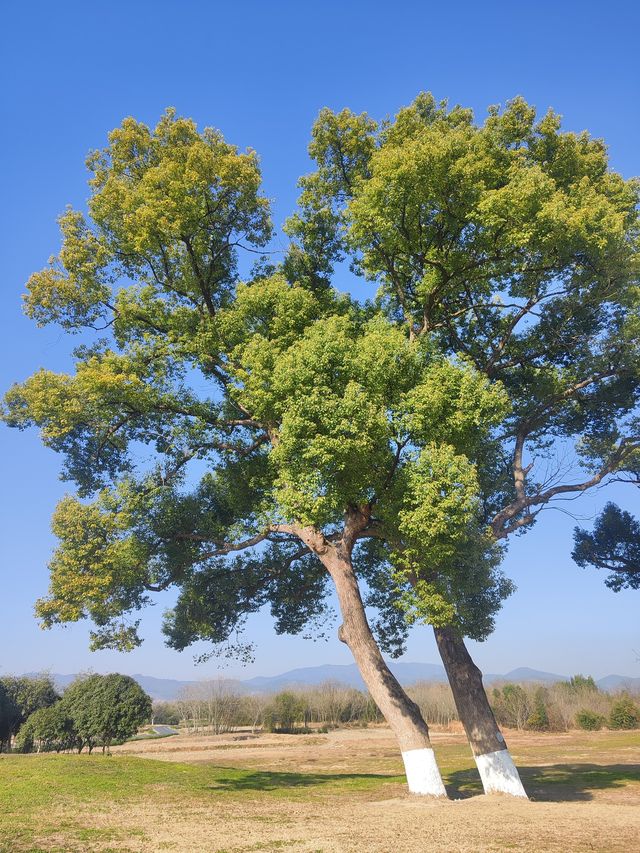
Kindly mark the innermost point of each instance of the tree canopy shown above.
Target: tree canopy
(270, 407)
(220, 426)
(27, 695)
(613, 544)
(511, 244)
(104, 709)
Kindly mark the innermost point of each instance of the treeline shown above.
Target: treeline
(94, 711)
(577, 703)
(217, 707)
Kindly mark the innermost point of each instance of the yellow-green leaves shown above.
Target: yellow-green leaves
(151, 190)
(169, 208)
(455, 403)
(74, 289)
(444, 558)
(99, 567)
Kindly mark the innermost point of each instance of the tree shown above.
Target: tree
(284, 712)
(105, 708)
(29, 694)
(613, 544)
(326, 429)
(48, 729)
(9, 714)
(624, 714)
(513, 246)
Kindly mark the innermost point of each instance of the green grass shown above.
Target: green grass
(48, 800)
(33, 788)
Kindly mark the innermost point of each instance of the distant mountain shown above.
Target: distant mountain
(158, 688)
(525, 673)
(619, 682)
(407, 673)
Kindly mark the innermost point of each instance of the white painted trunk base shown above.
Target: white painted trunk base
(423, 775)
(499, 774)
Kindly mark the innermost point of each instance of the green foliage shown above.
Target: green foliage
(613, 544)
(590, 721)
(284, 712)
(510, 243)
(105, 708)
(538, 720)
(219, 417)
(9, 716)
(624, 714)
(47, 730)
(314, 405)
(581, 683)
(28, 694)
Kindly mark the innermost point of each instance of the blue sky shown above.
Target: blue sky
(260, 72)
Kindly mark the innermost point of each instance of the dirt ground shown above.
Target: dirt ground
(584, 788)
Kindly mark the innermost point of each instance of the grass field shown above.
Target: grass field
(340, 791)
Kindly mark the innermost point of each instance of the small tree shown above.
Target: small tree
(29, 694)
(624, 714)
(590, 721)
(47, 729)
(9, 715)
(538, 720)
(284, 713)
(582, 684)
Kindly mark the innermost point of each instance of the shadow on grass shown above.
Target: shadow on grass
(554, 782)
(262, 780)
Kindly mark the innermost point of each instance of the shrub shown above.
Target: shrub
(624, 714)
(284, 713)
(47, 730)
(538, 720)
(590, 721)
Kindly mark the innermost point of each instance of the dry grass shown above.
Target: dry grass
(334, 793)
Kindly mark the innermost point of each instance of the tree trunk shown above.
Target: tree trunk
(403, 715)
(495, 765)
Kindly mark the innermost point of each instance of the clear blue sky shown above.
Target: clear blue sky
(261, 72)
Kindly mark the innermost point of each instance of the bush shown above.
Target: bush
(538, 720)
(590, 721)
(284, 713)
(624, 714)
(47, 730)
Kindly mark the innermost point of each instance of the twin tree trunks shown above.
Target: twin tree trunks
(495, 765)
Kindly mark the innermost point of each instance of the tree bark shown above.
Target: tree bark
(402, 714)
(495, 765)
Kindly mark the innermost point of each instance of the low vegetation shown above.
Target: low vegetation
(219, 706)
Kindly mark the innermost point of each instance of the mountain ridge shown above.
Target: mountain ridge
(407, 672)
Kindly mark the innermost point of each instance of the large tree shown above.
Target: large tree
(250, 442)
(102, 709)
(512, 246)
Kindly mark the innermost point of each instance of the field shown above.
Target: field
(340, 792)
